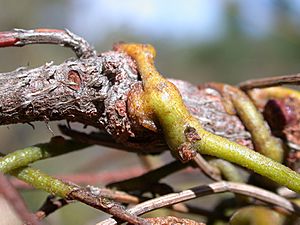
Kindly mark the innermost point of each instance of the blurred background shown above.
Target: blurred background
(196, 40)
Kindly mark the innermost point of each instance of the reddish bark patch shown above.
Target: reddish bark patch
(75, 80)
(283, 117)
(278, 114)
(7, 39)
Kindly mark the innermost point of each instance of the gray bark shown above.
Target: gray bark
(93, 91)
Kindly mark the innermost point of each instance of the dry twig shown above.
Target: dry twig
(291, 79)
(218, 187)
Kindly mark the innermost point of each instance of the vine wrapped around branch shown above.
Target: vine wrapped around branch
(122, 94)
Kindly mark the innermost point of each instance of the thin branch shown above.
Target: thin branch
(20, 37)
(73, 192)
(292, 79)
(59, 188)
(253, 120)
(89, 178)
(20, 158)
(50, 205)
(118, 196)
(15, 200)
(105, 205)
(218, 187)
(123, 197)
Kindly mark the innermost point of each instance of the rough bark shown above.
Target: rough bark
(94, 91)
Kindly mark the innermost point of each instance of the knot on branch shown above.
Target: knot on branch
(121, 74)
(186, 150)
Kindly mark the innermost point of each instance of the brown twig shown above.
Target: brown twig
(16, 201)
(292, 79)
(106, 205)
(20, 37)
(50, 205)
(73, 192)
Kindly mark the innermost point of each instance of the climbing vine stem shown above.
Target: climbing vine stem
(165, 106)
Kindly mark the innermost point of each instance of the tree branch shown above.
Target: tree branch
(292, 79)
(130, 102)
(20, 37)
(94, 91)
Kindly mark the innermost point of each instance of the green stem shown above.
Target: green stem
(217, 146)
(264, 142)
(174, 118)
(24, 157)
(43, 181)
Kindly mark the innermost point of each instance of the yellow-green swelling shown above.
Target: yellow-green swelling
(23, 157)
(161, 95)
(167, 104)
(43, 181)
(172, 115)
